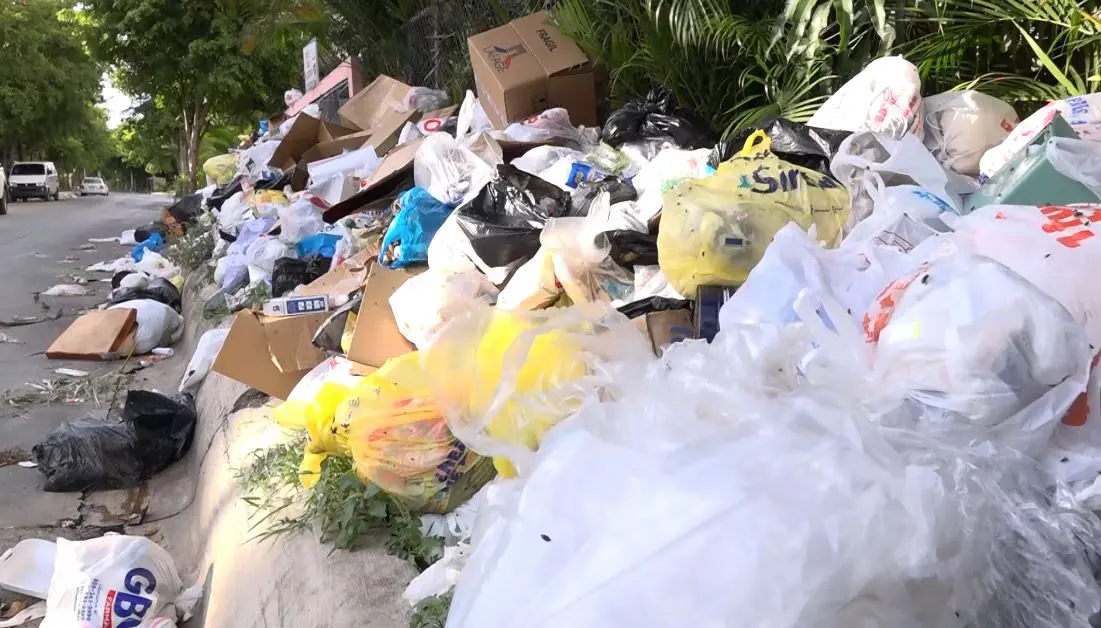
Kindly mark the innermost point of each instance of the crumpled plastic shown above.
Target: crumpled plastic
(885, 98)
(657, 116)
(794, 142)
(448, 170)
(550, 126)
(220, 169)
(419, 216)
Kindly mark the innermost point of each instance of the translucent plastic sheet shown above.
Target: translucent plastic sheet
(764, 480)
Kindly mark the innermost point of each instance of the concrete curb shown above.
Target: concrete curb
(292, 580)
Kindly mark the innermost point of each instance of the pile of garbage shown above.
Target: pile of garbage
(620, 349)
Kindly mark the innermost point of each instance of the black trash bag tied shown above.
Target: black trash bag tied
(631, 248)
(158, 289)
(794, 142)
(155, 432)
(222, 193)
(331, 332)
(288, 273)
(619, 191)
(653, 304)
(657, 116)
(504, 221)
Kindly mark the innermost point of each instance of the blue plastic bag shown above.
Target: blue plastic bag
(323, 244)
(154, 242)
(418, 219)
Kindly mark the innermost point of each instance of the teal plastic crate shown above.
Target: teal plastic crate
(1029, 179)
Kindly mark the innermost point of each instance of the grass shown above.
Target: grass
(341, 506)
(98, 389)
(255, 295)
(432, 612)
(192, 250)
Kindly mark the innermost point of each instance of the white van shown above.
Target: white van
(33, 179)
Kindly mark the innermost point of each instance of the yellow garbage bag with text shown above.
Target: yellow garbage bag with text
(220, 169)
(714, 230)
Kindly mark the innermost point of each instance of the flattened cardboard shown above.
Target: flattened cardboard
(528, 66)
(342, 281)
(253, 344)
(376, 338)
(367, 107)
(384, 183)
(665, 328)
(94, 336)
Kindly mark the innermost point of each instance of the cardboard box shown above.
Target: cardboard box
(665, 328)
(383, 186)
(304, 134)
(526, 67)
(368, 107)
(344, 280)
(376, 338)
(270, 354)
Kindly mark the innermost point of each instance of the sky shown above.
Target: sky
(115, 102)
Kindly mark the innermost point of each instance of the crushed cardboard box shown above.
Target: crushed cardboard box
(376, 338)
(383, 186)
(526, 67)
(270, 354)
(96, 335)
(304, 134)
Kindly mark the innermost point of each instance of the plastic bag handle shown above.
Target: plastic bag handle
(757, 142)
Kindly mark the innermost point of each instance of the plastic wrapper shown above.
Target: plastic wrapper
(715, 230)
(503, 379)
(156, 289)
(115, 580)
(885, 97)
(533, 286)
(362, 162)
(288, 273)
(426, 302)
(158, 324)
(693, 511)
(581, 262)
(553, 125)
(1083, 113)
(302, 218)
(206, 350)
(97, 455)
(657, 116)
(961, 126)
(794, 142)
(448, 170)
(541, 159)
(504, 221)
(401, 442)
(419, 216)
(220, 169)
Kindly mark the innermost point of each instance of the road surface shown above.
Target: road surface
(45, 244)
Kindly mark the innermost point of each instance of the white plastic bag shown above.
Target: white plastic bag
(234, 211)
(336, 188)
(205, 351)
(1082, 112)
(1079, 160)
(668, 168)
(551, 125)
(153, 263)
(302, 218)
(158, 324)
(425, 99)
(66, 290)
(261, 255)
(429, 300)
(448, 170)
(472, 118)
(440, 577)
(291, 96)
(363, 160)
(540, 161)
(113, 266)
(885, 97)
(961, 126)
(120, 581)
(867, 164)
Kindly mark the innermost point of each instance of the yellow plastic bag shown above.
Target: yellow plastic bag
(504, 378)
(220, 169)
(715, 230)
(401, 442)
(312, 407)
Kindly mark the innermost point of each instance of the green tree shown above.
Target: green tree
(49, 87)
(187, 58)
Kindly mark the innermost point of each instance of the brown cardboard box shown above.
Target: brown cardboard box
(376, 338)
(367, 108)
(665, 328)
(304, 134)
(526, 67)
(346, 279)
(270, 354)
(384, 184)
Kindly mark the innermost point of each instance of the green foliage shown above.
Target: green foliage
(432, 612)
(194, 249)
(345, 509)
(49, 87)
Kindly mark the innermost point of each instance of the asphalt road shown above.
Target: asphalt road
(46, 243)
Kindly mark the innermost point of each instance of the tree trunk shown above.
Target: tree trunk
(195, 125)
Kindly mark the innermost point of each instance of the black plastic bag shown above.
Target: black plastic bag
(631, 248)
(794, 142)
(141, 234)
(618, 189)
(155, 432)
(331, 332)
(158, 290)
(222, 193)
(288, 273)
(655, 116)
(653, 304)
(187, 209)
(274, 181)
(116, 279)
(504, 221)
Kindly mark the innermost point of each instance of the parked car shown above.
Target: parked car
(93, 185)
(3, 191)
(33, 179)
